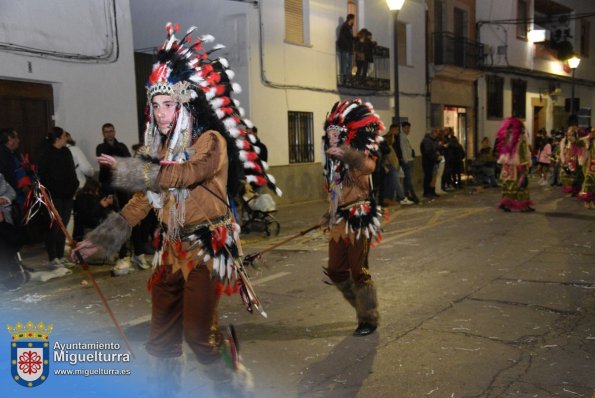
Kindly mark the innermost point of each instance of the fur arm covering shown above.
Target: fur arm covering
(135, 175)
(110, 235)
(357, 159)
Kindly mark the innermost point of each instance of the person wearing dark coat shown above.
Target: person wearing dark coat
(57, 173)
(345, 47)
(429, 157)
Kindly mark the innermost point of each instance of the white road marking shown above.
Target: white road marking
(270, 278)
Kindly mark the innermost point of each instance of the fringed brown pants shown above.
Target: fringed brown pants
(185, 309)
(347, 258)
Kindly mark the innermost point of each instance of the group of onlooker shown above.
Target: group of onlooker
(69, 178)
(361, 47)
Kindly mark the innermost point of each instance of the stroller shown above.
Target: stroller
(257, 212)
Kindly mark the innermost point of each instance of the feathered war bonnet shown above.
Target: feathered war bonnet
(358, 127)
(202, 86)
(513, 126)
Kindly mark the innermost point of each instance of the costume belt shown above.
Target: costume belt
(350, 205)
(191, 232)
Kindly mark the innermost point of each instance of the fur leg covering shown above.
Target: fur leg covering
(346, 288)
(228, 382)
(366, 303)
(135, 175)
(166, 375)
(110, 235)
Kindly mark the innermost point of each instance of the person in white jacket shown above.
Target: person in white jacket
(81, 165)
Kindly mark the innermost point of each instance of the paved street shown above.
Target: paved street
(474, 303)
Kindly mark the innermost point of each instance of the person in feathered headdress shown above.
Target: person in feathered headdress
(515, 158)
(350, 147)
(196, 151)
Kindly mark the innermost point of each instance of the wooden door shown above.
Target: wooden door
(28, 108)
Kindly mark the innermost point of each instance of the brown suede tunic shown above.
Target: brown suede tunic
(207, 167)
(355, 187)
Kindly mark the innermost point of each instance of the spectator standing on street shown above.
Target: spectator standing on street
(81, 165)
(112, 147)
(544, 158)
(392, 168)
(350, 147)
(345, 47)
(458, 159)
(57, 174)
(406, 156)
(515, 158)
(15, 167)
(429, 160)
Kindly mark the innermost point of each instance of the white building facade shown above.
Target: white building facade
(70, 64)
(284, 57)
(532, 79)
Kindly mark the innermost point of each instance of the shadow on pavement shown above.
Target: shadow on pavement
(343, 372)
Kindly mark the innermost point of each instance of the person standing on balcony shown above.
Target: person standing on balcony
(345, 48)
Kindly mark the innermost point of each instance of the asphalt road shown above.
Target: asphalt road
(474, 302)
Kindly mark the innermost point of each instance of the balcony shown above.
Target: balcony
(378, 77)
(457, 51)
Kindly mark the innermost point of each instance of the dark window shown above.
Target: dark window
(519, 93)
(522, 15)
(495, 98)
(301, 137)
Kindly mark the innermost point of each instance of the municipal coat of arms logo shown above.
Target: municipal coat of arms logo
(30, 353)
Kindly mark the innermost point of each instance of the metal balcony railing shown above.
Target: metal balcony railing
(377, 78)
(456, 51)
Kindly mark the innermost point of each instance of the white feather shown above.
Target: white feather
(235, 132)
(224, 62)
(229, 123)
(207, 38)
(248, 123)
(236, 88)
(230, 74)
(218, 46)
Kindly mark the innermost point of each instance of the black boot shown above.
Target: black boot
(366, 307)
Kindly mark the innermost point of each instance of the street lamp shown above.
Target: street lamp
(573, 63)
(395, 6)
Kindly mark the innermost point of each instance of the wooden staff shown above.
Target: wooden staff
(83, 263)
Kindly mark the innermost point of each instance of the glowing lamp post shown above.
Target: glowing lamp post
(573, 63)
(395, 6)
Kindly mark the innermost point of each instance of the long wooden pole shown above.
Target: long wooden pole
(84, 265)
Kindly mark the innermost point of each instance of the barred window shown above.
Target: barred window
(294, 21)
(519, 93)
(301, 137)
(495, 97)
